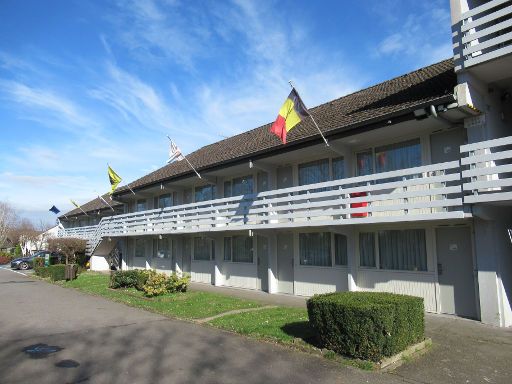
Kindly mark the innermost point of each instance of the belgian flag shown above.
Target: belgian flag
(291, 113)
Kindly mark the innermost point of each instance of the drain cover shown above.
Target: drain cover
(39, 351)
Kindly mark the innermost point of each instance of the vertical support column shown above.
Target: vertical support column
(178, 256)
(272, 263)
(124, 252)
(218, 277)
(352, 244)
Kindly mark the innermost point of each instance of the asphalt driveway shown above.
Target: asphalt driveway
(50, 334)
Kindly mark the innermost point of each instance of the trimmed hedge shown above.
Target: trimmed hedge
(134, 278)
(367, 325)
(54, 272)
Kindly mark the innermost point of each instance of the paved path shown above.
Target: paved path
(99, 341)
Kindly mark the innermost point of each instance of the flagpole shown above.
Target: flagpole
(312, 118)
(102, 199)
(185, 157)
(80, 208)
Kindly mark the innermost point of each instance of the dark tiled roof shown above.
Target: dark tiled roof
(402, 93)
(94, 205)
(375, 103)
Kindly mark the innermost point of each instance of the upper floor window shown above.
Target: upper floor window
(239, 186)
(314, 172)
(206, 192)
(338, 168)
(165, 201)
(262, 181)
(390, 157)
(140, 205)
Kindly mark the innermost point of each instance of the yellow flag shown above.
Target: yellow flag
(114, 179)
(75, 204)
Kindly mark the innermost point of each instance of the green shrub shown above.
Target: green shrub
(367, 325)
(54, 272)
(135, 278)
(176, 283)
(38, 262)
(17, 250)
(156, 284)
(5, 259)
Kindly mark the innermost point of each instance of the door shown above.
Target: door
(284, 177)
(445, 145)
(285, 263)
(262, 249)
(455, 271)
(162, 255)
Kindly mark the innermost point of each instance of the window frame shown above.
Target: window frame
(211, 249)
(428, 251)
(144, 246)
(333, 250)
(231, 253)
(139, 202)
(372, 150)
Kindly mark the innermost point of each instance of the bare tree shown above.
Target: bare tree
(68, 246)
(41, 241)
(23, 232)
(7, 219)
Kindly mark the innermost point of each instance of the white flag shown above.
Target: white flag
(174, 153)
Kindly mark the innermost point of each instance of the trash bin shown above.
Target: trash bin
(70, 271)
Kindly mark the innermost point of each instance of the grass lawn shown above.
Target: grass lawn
(283, 324)
(188, 305)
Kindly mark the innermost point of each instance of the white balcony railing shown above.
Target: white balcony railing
(485, 33)
(424, 193)
(90, 233)
(489, 173)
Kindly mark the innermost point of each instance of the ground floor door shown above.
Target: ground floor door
(262, 259)
(187, 254)
(162, 255)
(285, 263)
(455, 271)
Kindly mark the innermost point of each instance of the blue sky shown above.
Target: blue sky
(86, 83)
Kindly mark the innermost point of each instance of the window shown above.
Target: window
(227, 249)
(238, 249)
(165, 201)
(140, 247)
(364, 163)
(187, 196)
(239, 186)
(262, 181)
(227, 189)
(315, 249)
(204, 193)
(403, 250)
(391, 157)
(140, 206)
(314, 172)
(338, 168)
(203, 248)
(398, 156)
(163, 248)
(242, 249)
(340, 249)
(367, 249)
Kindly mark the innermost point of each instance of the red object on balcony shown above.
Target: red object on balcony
(359, 205)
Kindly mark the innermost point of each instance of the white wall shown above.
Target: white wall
(421, 284)
(241, 275)
(314, 280)
(201, 271)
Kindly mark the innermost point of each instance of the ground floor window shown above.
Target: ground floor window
(203, 249)
(402, 250)
(140, 247)
(239, 249)
(163, 248)
(315, 249)
(340, 249)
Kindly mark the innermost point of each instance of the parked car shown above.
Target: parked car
(27, 262)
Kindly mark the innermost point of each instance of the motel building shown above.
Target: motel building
(413, 195)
